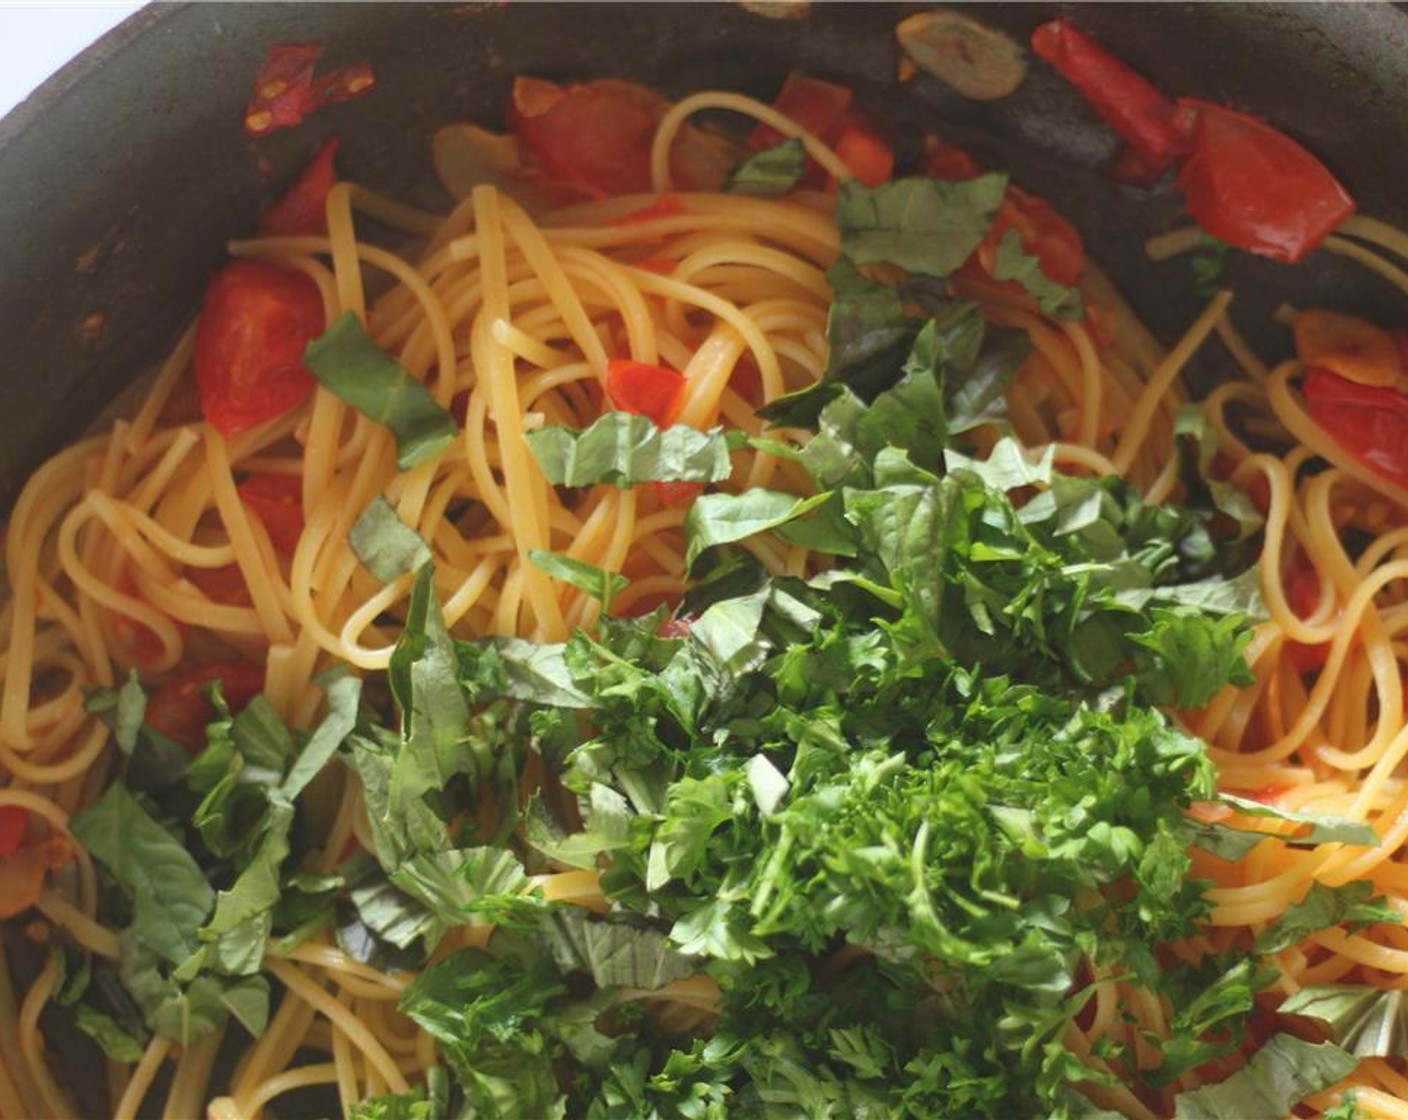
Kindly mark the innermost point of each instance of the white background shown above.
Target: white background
(36, 39)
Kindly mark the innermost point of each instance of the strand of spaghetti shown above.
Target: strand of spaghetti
(193, 1068)
(274, 1046)
(346, 1070)
(322, 1074)
(148, 414)
(1241, 350)
(1369, 259)
(11, 1106)
(237, 525)
(119, 515)
(326, 957)
(408, 219)
(91, 935)
(56, 1101)
(1136, 430)
(342, 240)
(341, 1017)
(550, 270)
(681, 111)
(142, 1077)
(528, 526)
(10, 1053)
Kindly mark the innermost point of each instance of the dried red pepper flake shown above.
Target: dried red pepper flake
(286, 91)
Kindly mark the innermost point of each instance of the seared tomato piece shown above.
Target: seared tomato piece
(277, 500)
(1368, 422)
(254, 325)
(645, 389)
(180, 711)
(596, 136)
(1256, 188)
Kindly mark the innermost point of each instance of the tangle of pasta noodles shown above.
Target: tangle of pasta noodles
(509, 319)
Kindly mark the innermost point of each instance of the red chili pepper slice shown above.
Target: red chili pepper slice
(256, 321)
(277, 500)
(645, 389)
(286, 91)
(1139, 114)
(1368, 422)
(1256, 188)
(302, 211)
(180, 711)
(14, 819)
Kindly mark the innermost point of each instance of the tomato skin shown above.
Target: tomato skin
(596, 136)
(1124, 99)
(1254, 187)
(277, 500)
(180, 711)
(14, 819)
(303, 208)
(255, 323)
(645, 389)
(1370, 423)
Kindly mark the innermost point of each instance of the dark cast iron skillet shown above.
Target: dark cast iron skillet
(123, 176)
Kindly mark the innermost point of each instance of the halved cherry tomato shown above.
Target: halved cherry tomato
(277, 500)
(14, 819)
(1369, 423)
(645, 389)
(1137, 112)
(1347, 345)
(254, 325)
(303, 208)
(596, 135)
(180, 711)
(1256, 188)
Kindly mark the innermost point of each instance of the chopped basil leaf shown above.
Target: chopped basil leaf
(349, 364)
(1012, 262)
(927, 226)
(623, 449)
(386, 546)
(773, 171)
(601, 585)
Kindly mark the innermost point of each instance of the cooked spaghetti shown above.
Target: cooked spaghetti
(138, 549)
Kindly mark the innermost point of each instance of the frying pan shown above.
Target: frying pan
(122, 178)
